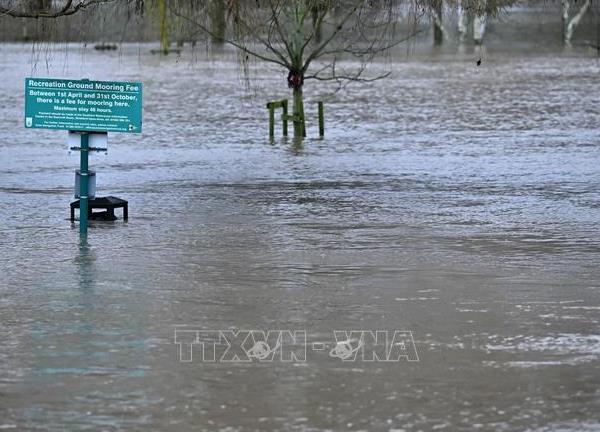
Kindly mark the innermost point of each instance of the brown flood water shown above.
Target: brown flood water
(457, 203)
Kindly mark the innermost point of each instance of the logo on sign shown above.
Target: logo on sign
(28, 121)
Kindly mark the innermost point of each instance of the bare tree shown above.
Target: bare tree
(309, 38)
(474, 14)
(47, 8)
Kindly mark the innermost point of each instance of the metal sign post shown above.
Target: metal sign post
(84, 186)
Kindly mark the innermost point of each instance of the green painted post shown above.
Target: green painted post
(84, 183)
(321, 120)
(284, 117)
(271, 120)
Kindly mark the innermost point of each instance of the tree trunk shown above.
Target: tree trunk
(462, 22)
(35, 7)
(479, 28)
(299, 129)
(217, 18)
(565, 19)
(41, 5)
(574, 22)
(164, 26)
(479, 22)
(438, 31)
(25, 32)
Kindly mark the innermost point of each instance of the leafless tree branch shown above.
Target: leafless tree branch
(68, 9)
(280, 60)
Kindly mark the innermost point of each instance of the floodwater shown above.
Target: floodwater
(455, 202)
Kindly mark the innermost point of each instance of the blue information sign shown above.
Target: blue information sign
(83, 105)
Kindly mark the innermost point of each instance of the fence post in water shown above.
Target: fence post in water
(84, 180)
(284, 117)
(321, 119)
(271, 109)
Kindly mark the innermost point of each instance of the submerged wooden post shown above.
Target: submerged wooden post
(271, 109)
(284, 117)
(271, 106)
(297, 119)
(321, 119)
